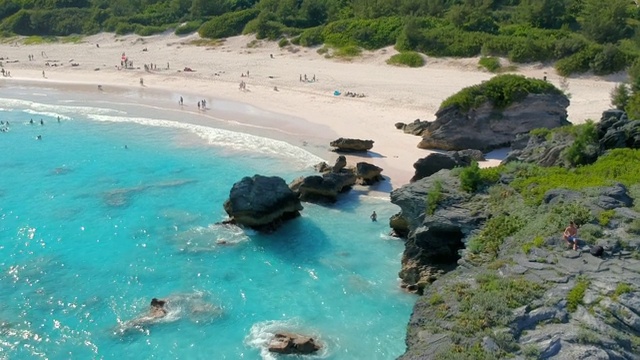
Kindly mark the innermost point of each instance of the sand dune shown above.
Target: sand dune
(314, 116)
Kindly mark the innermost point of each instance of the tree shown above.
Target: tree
(546, 14)
(620, 96)
(605, 21)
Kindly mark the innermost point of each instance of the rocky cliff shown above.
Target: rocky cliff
(498, 280)
(487, 127)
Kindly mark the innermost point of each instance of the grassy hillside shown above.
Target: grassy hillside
(581, 35)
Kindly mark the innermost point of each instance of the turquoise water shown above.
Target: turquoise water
(91, 230)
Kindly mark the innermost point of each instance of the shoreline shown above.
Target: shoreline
(303, 114)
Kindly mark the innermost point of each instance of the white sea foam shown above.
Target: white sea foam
(228, 139)
(261, 333)
(65, 111)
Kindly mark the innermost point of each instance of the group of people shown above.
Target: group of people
(306, 79)
(4, 127)
(352, 94)
(202, 104)
(6, 73)
(243, 85)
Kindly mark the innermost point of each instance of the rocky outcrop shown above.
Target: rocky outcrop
(486, 128)
(543, 148)
(417, 127)
(368, 174)
(288, 343)
(261, 202)
(433, 240)
(352, 145)
(326, 187)
(435, 162)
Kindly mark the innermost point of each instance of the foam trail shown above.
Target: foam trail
(56, 110)
(227, 139)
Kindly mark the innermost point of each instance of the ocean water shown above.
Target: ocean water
(107, 211)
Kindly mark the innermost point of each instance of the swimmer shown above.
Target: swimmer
(41, 122)
(58, 118)
(157, 309)
(126, 147)
(39, 137)
(374, 216)
(31, 121)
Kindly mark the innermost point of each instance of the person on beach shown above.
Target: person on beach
(198, 105)
(374, 217)
(570, 235)
(43, 74)
(181, 101)
(141, 82)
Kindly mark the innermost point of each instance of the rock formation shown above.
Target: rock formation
(486, 128)
(368, 174)
(435, 162)
(614, 130)
(325, 187)
(417, 127)
(288, 343)
(529, 296)
(352, 145)
(261, 202)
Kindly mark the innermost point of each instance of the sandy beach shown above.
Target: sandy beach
(311, 116)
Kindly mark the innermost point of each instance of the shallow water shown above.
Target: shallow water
(107, 211)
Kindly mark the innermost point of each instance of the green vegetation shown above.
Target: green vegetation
(575, 295)
(493, 234)
(490, 303)
(347, 52)
(537, 242)
(473, 178)
(605, 217)
(407, 58)
(622, 288)
(618, 165)
(490, 63)
(501, 90)
(433, 197)
(584, 35)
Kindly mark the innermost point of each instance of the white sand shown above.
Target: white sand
(393, 94)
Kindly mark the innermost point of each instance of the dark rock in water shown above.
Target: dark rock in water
(322, 167)
(486, 128)
(368, 174)
(262, 202)
(325, 188)
(287, 343)
(352, 145)
(435, 162)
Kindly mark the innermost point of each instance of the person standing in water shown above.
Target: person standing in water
(374, 217)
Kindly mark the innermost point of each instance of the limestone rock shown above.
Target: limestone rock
(435, 162)
(288, 343)
(352, 145)
(486, 128)
(324, 188)
(262, 202)
(340, 164)
(415, 128)
(368, 174)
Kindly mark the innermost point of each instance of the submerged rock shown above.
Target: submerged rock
(262, 202)
(288, 343)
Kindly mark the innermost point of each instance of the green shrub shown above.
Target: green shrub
(126, 28)
(583, 150)
(490, 63)
(622, 288)
(436, 299)
(348, 51)
(407, 58)
(312, 36)
(228, 24)
(501, 90)
(576, 295)
(366, 33)
(149, 30)
(493, 234)
(634, 227)
(188, 27)
(620, 96)
(284, 42)
(540, 132)
(607, 60)
(605, 217)
(470, 178)
(537, 242)
(433, 197)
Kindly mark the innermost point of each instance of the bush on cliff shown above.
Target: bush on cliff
(501, 91)
(228, 24)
